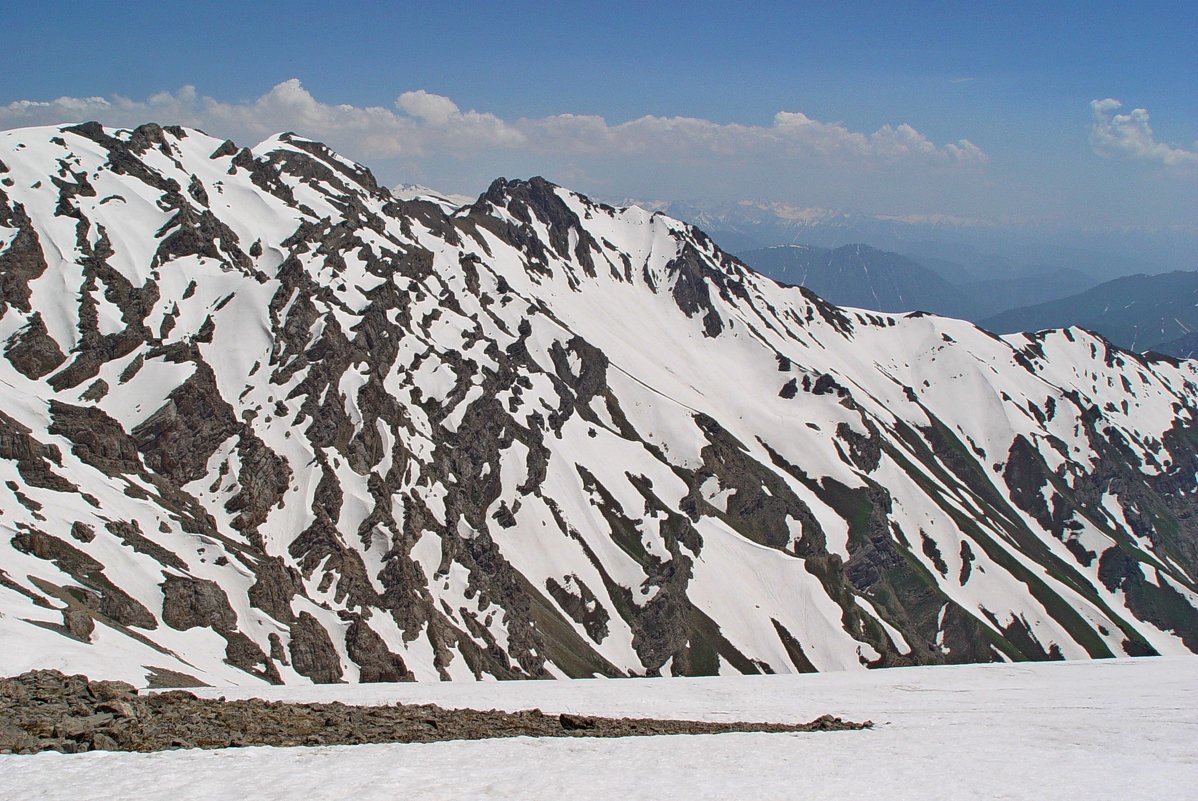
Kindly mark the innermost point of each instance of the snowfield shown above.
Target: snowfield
(1110, 729)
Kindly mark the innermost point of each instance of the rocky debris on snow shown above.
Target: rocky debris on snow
(45, 710)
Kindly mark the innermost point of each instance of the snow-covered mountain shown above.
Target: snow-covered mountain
(446, 200)
(261, 420)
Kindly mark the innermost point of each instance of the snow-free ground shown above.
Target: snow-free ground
(1115, 729)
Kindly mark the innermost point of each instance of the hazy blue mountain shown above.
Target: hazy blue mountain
(1014, 257)
(1000, 294)
(1138, 312)
(862, 276)
(987, 248)
(1184, 347)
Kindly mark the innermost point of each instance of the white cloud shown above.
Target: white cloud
(422, 123)
(433, 109)
(287, 106)
(1129, 135)
(792, 135)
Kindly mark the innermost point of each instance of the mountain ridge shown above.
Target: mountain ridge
(266, 422)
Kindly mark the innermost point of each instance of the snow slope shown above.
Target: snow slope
(265, 422)
(447, 200)
(1124, 729)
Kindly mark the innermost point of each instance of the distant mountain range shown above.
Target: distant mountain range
(866, 277)
(1138, 312)
(862, 276)
(993, 295)
(981, 247)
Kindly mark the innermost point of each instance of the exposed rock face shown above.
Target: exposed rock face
(334, 436)
(188, 602)
(369, 651)
(312, 652)
(23, 260)
(79, 623)
(32, 351)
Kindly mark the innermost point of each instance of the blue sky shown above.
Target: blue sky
(932, 109)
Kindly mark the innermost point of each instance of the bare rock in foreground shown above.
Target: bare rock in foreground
(45, 710)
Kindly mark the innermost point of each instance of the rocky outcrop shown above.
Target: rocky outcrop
(22, 261)
(97, 439)
(113, 602)
(312, 652)
(32, 351)
(189, 602)
(370, 652)
(179, 438)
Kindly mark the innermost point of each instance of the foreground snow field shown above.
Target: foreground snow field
(1115, 729)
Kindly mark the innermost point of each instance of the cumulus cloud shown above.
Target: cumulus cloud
(433, 109)
(370, 130)
(423, 123)
(1129, 135)
(792, 135)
